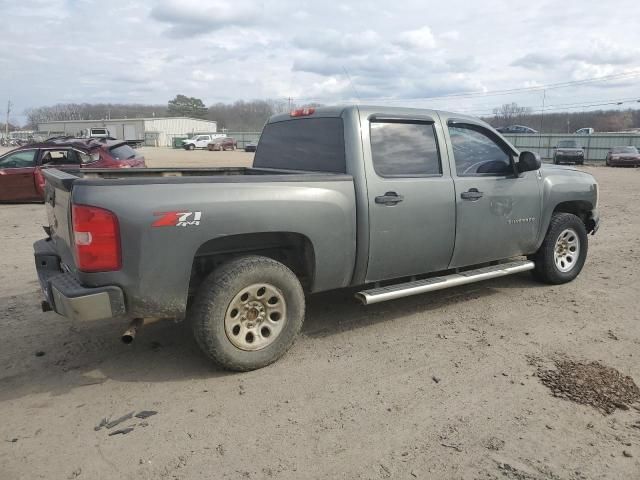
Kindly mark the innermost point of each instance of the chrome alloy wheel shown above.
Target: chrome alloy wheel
(567, 250)
(255, 317)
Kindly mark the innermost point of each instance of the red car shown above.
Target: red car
(222, 143)
(21, 178)
(623, 157)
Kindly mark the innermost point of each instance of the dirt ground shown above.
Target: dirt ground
(438, 386)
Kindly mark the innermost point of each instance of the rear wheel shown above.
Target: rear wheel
(563, 252)
(248, 313)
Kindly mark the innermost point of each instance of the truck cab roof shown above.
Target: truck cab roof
(400, 112)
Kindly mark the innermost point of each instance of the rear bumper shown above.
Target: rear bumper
(66, 296)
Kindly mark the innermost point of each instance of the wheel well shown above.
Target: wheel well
(291, 249)
(580, 209)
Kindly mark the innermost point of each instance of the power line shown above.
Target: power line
(536, 88)
(562, 107)
(482, 110)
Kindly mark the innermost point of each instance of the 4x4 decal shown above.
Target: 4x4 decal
(177, 219)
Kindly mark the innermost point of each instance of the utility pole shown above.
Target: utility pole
(6, 125)
(290, 102)
(544, 98)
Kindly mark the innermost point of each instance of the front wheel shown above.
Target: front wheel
(563, 252)
(248, 312)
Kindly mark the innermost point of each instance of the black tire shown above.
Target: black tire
(214, 299)
(546, 270)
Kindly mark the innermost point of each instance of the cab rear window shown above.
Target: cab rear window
(309, 144)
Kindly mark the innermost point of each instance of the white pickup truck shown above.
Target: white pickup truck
(200, 141)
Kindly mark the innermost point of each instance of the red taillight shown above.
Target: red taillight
(302, 112)
(96, 237)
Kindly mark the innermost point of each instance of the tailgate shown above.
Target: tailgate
(57, 197)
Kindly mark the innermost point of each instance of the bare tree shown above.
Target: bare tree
(510, 113)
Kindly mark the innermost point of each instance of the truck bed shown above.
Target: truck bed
(232, 205)
(131, 176)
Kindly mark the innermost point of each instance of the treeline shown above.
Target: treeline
(91, 111)
(237, 116)
(244, 116)
(251, 115)
(565, 122)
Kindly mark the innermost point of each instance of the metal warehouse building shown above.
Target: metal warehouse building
(154, 131)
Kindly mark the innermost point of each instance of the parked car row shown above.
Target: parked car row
(525, 129)
(215, 143)
(21, 178)
(568, 151)
(516, 129)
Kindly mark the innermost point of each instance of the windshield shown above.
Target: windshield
(625, 150)
(567, 144)
(123, 152)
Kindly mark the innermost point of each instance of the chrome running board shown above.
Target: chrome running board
(391, 292)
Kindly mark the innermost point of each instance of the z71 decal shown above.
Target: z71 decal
(177, 219)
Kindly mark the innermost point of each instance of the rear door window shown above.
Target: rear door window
(309, 144)
(122, 152)
(58, 157)
(404, 149)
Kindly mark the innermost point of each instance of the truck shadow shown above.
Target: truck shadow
(330, 313)
(45, 353)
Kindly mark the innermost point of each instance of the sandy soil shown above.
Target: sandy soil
(166, 157)
(435, 386)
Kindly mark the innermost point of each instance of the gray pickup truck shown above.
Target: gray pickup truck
(394, 201)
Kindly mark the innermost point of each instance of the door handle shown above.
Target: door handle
(472, 194)
(389, 198)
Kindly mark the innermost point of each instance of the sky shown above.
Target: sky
(401, 53)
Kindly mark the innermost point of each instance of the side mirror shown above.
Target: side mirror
(528, 162)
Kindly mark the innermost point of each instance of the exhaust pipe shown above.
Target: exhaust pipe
(130, 333)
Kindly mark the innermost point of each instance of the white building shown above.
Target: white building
(153, 131)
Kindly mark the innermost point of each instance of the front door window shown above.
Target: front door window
(21, 159)
(476, 154)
